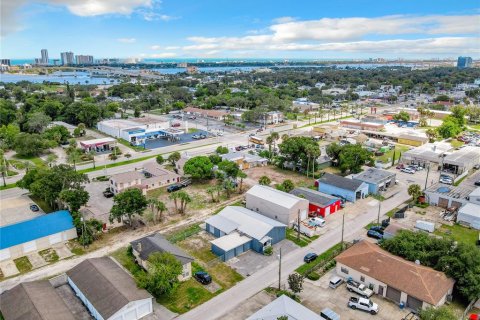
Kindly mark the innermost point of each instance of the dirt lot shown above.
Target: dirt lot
(278, 176)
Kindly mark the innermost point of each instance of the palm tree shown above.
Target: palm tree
(264, 180)
(211, 192)
(275, 136)
(92, 154)
(269, 141)
(414, 191)
(174, 196)
(184, 200)
(160, 207)
(242, 175)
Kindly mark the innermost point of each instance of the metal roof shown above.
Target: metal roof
(340, 182)
(475, 192)
(462, 156)
(374, 175)
(449, 190)
(99, 141)
(315, 197)
(38, 227)
(284, 306)
(280, 198)
(231, 241)
(470, 209)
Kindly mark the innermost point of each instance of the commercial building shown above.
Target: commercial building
(284, 306)
(98, 145)
(349, 189)
(376, 179)
(447, 196)
(18, 239)
(83, 59)
(469, 215)
(428, 153)
(150, 177)
(245, 160)
(412, 140)
(238, 230)
(108, 292)
(462, 160)
(303, 104)
(474, 196)
(272, 117)
(67, 58)
(464, 62)
(36, 300)
(320, 204)
(6, 62)
(44, 59)
(138, 130)
(142, 249)
(206, 113)
(276, 204)
(394, 278)
(361, 125)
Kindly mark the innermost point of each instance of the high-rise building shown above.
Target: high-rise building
(44, 58)
(5, 62)
(84, 59)
(67, 58)
(464, 62)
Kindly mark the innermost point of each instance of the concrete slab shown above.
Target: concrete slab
(62, 251)
(213, 287)
(98, 206)
(16, 209)
(36, 260)
(160, 312)
(9, 268)
(250, 306)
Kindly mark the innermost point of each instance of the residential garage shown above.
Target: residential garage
(414, 285)
(35, 234)
(108, 292)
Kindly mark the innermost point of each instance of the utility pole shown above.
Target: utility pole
(279, 268)
(343, 226)
(426, 179)
(379, 208)
(298, 225)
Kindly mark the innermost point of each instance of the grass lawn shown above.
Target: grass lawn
(458, 233)
(192, 130)
(8, 186)
(387, 156)
(183, 233)
(49, 255)
(128, 145)
(155, 193)
(42, 204)
(303, 241)
(327, 255)
(188, 295)
(35, 160)
(23, 264)
(456, 144)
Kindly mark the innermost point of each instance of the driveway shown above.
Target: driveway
(98, 206)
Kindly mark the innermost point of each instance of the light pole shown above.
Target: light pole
(279, 268)
(379, 208)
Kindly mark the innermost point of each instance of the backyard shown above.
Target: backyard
(387, 156)
(458, 233)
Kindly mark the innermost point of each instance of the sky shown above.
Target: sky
(316, 29)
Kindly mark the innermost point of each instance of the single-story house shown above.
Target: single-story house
(469, 215)
(446, 196)
(412, 140)
(108, 292)
(18, 239)
(98, 145)
(150, 177)
(427, 153)
(142, 248)
(392, 277)
(349, 189)
(34, 300)
(245, 160)
(238, 229)
(276, 204)
(462, 160)
(284, 306)
(376, 179)
(320, 204)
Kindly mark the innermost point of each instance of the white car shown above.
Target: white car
(408, 170)
(446, 181)
(316, 222)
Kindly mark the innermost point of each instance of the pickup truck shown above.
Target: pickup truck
(363, 304)
(359, 288)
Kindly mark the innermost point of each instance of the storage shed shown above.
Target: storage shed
(348, 189)
(239, 229)
(320, 204)
(276, 204)
(18, 239)
(108, 292)
(469, 215)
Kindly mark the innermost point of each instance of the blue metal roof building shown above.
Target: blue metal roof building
(39, 227)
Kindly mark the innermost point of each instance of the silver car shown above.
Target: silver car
(335, 282)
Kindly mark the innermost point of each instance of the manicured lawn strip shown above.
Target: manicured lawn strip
(23, 264)
(8, 186)
(327, 255)
(303, 241)
(456, 184)
(458, 233)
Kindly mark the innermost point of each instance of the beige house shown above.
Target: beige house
(394, 278)
(245, 160)
(276, 204)
(142, 248)
(150, 177)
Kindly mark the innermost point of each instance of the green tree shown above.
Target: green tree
(286, 186)
(162, 276)
(30, 144)
(295, 282)
(74, 198)
(449, 128)
(415, 191)
(8, 134)
(160, 160)
(215, 158)
(37, 122)
(59, 134)
(199, 167)
(431, 134)
(174, 157)
(440, 313)
(158, 208)
(353, 157)
(221, 150)
(127, 204)
(298, 150)
(459, 112)
(229, 168)
(402, 116)
(241, 175)
(264, 181)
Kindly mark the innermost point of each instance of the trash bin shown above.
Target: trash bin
(401, 305)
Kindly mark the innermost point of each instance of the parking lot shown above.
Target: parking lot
(17, 209)
(183, 138)
(98, 206)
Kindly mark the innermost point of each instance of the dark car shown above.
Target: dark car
(34, 208)
(108, 194)
(203, 277)
(400, 166)
(378, 229)
(477, 183)
(177, 124)
(374, 234)
(173, 187)
(310, 257)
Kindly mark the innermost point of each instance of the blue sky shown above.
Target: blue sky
(241, 29)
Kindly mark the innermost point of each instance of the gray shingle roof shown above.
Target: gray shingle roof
(106, 285)
(315, 197)
(157, 243)
(340, 182)
(35, 300)
(373, 175)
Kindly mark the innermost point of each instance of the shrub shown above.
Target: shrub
(268, 251)
(313, 276)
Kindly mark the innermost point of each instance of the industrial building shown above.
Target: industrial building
(447, 196)
(469, 215)
(349, 189)
(462, 160)
(284, 306)
(320, 204)
(376, 179)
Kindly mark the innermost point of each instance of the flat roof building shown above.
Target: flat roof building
(377, 179)
(462, 160)
(446, 196)
(427, 153)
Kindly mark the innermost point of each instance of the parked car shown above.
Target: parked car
(202, 277)
(363, 304)
(408, 170)
(192, 117)
(316, 222)
(378, 229)
(173, 187)
(219, 133)
(310, 257)
(108, 193)
(329, 314)
(446, 181)
(34, 207)
(374, 234)
(359, 288)
(304, 230)
(259, 129)
(335, 282)
(400, 166)
(176, 124)
(203, 136)
(477, 183)
(185, 183)
(196, 136)
(476, 167)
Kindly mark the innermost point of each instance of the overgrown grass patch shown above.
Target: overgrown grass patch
(184, 233)
(458, 233)
(35, 160)
(23, 264)
(324, 257)
(42, 204)
(303, 241)
(49, 255)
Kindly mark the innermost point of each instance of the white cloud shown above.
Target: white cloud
(163, 55)
(153, 16)
(155, 47)
(283, 20)
(127, 40)
(172, 48)
(87, 8)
